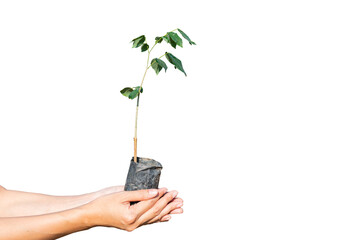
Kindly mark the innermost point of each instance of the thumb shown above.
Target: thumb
(140, 195)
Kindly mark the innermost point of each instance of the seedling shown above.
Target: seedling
(157, 65)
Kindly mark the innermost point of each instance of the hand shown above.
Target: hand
(114, 210)
(174, 208)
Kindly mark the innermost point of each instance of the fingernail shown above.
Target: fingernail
(152, 192)
(174, 194)
(179, 205)
(167, 218)
(177, 211)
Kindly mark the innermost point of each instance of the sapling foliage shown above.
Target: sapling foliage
(156, 64)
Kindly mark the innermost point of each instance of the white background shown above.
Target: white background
(261, 139)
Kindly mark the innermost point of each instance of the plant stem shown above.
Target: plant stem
(158, 39)
(138, 97)
(138, 101)
(135, 138)
(152, 63)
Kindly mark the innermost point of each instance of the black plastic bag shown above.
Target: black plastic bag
(145, 174)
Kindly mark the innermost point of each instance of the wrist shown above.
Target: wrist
(88, 216)
(109, 190)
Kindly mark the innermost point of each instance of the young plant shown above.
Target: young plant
(157, 64)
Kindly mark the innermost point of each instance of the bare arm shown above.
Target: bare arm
(112, 210)
(43, 227)
(17, 203)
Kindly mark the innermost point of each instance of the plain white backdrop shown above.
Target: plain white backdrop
(261, 139)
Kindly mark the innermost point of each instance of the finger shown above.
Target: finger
(143, 206)
(175, 204)
(153, 214)
(167, 210)
(165, 218)
(140, 195)
(177, 199)
(177, 211)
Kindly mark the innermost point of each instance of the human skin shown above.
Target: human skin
(108, 207)
(17, 203)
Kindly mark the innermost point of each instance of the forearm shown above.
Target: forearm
(16, 203)
(44, 227)
(110, 210)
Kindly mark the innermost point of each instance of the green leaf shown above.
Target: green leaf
(135, 93)
(144, 47)
(126, 91)
(176, 62)
(138, 87)
(131, 93)
(173, 43)
(170, 40)
(138, 41)
(157, 65)
(175, 38)
(162, 64)
(186, 37)
(159, 39)
(166, 38)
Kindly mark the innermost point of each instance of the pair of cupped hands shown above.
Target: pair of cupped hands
(113, 209)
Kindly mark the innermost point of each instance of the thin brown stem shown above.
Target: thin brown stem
(138, 100)
(138, 97)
